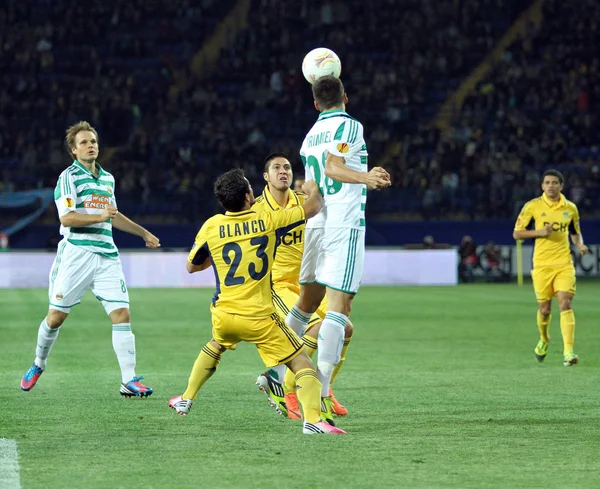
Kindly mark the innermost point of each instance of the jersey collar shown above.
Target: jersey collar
(561, 201)
(81, 167)
(272, 203)
(239, 213)
(329, 113)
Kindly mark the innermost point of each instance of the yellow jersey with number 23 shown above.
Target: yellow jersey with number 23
(241, 248)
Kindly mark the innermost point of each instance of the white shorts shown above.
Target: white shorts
(75, 270)
(334, 257)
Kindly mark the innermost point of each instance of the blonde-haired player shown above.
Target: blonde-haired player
(553, 272)
(276, 196)
(88, 258)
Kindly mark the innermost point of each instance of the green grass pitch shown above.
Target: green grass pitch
(441, 383)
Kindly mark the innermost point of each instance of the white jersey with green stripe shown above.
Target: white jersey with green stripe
(79, 190)
(344, 204)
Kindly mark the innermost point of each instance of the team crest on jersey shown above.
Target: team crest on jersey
(343, 147)
(109, 189)
(566, 215)
(59, 296)
(69, 202)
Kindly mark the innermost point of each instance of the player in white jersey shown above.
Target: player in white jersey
(334, 154)
(88, 258)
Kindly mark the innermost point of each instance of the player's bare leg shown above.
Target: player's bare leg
(543, 322)
(567, 327)
(47, 335)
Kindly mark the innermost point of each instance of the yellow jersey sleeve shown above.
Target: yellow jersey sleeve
(525, 216)
(199, 252)
(574, 225)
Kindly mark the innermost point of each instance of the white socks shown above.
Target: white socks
(298, 320)
(45, 340)
(330, 342)
(124, 345)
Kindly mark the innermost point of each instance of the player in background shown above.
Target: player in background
(277, 195)
(240, 245)
(334, 154)
(553, 274)
(88, 258)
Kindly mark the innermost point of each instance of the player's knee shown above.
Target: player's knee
(119, 316)
(565, 304)
(55, 318)
(545, 309)
(217, 346)
(349, 329)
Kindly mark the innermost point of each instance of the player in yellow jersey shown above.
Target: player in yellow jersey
(286, 289)
(555, 218)
(240, 246)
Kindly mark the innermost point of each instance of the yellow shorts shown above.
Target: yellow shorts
(275, 340)
(550, 280)
(285, 295)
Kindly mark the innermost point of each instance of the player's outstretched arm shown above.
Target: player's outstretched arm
(313, 203)
(335, 168)
(123, 223)
(74, 219)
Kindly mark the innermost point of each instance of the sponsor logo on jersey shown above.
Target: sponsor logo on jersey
(343, 147)
(69, 202)
(97, 202)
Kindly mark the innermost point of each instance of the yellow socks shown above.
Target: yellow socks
(567, 328)
(342, 358)
(543, 325)
(289, 381)
(309, 394)
(204, 367)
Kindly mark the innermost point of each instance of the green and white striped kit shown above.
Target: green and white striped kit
(79, 190)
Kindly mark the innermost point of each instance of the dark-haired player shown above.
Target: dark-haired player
(553, 274)
(240, 246)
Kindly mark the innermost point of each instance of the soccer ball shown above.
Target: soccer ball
(321, 62)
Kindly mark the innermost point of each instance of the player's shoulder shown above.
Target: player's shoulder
(259, 202)
(571, 205)
(213, 221)
(69, 172)
(533, 203)
(106, 175)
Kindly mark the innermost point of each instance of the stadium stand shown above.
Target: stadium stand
(170, 124)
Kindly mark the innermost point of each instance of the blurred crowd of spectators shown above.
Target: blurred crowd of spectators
(538, 109)
(116, 63)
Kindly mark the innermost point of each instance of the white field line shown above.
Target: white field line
(9, 465)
